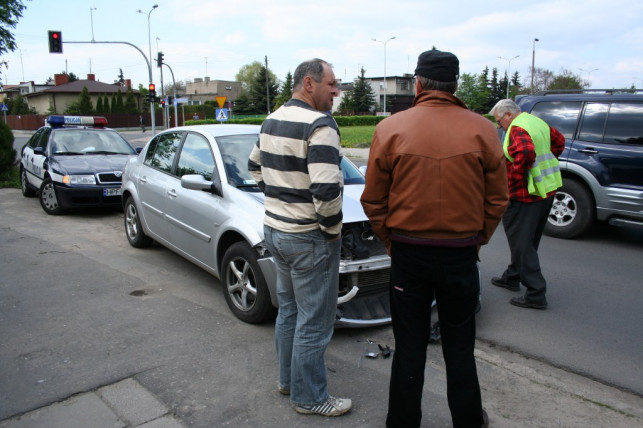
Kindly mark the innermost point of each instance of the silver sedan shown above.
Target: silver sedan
(190, 191)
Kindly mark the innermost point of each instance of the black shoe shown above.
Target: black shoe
(498, 282)
(485, 419)
(522, 303)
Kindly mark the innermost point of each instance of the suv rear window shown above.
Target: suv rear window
(562, 115)
(625, 124)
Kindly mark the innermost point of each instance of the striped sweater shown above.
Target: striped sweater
(296, 165)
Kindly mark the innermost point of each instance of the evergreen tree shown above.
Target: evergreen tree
(346, 106)
(85, 102)
(286, 92)
(130, 102)
(119, 108)
(99, 104)
(112, 105)
(7, 152)
(363, 95)
(18, 105)
(121, 77)
(257, 93)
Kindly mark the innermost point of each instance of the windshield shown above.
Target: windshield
(235, 150)
(88, 142)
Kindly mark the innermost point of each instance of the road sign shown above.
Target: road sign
(220, 101)
(3, 107)
(222, 114)
(181, 100)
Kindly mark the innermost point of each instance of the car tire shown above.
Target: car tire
(133, 228)
(27, 190)
(49, 199)
(244, 285)
(573, 211)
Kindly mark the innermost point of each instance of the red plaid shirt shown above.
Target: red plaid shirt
(521, 149)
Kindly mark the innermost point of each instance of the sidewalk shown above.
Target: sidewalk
(517, 392)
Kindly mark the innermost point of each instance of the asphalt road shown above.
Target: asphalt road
(593, 324)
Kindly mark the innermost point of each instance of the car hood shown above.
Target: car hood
(352, 208)
(84, 164)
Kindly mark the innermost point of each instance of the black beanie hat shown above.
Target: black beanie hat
(439, 66)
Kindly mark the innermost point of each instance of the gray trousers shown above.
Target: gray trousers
(524, 224)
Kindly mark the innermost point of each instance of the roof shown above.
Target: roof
(93, 87)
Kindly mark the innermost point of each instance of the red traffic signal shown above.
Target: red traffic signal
(152, 93)
(55, 42)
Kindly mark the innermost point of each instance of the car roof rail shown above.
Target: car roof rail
(590, 91)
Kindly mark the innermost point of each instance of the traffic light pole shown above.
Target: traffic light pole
(176, 113)
(149, 68)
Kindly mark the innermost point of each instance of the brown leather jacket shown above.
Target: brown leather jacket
(435, 171)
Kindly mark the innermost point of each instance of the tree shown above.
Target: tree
(99, 105)
(83, 106)
(144, 92)
(285, 93)
(121, 77)
(10, 11)
(363, 95)
(18, 105)
(7, 152)
(567, 80)
(130, 102)
(346, 106)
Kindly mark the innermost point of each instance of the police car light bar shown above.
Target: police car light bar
(95, 121)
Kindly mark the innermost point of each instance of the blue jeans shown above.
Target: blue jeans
(418, 273)
(307, 286)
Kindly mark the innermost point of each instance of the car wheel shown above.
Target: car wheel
(27, 191)
(244, 286)
(48, 198)
(133, 229)
(573, 211)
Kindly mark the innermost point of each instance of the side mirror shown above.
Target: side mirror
(198, 182)
(362, 169)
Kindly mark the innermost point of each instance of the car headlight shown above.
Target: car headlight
(79, 179)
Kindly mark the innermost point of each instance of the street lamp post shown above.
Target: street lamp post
(385, 86)
(588, 73)
(533, 58)
(509, 71)
(91, 17)
(149, 43)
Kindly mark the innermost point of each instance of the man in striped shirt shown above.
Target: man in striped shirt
(296, 165)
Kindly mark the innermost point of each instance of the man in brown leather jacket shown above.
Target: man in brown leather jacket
(436, 188)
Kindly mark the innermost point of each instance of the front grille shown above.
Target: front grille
(109, 178)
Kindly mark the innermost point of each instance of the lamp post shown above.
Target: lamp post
(588, 73)
(509, 71)
(91, 17)
(533, 58)
(384, 43)
(149, 37)
(149, 42)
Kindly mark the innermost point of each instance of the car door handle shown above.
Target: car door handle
(589, 151)
(171, 193)
(143, 179)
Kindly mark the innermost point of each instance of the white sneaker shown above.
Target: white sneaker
(331, 407)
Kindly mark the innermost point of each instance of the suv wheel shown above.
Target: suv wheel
(244, 286)
(572, 212)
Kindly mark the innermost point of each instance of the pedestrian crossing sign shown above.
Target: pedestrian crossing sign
(222, 114)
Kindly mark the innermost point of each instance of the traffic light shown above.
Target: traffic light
(152, 93)
(55, 42)
(159, 59)
(163, 103)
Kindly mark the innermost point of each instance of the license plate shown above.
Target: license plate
(112, 191)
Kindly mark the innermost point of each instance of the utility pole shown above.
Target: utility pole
(267, 88)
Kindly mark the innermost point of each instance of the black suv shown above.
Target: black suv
(602, 165)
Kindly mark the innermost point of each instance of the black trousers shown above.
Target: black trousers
(524, 224)
(418, 273)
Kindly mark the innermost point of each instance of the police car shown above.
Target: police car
(74, 162)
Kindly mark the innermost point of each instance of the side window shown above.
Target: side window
(166, 149)
(593, 124)
(196, 157)
(562, 115)
(149, 154)
(44, 138)
(625, 124)
(35, 138)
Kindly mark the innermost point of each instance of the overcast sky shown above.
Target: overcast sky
(599, 39)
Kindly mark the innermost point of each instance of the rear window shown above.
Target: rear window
(561, 115)
(625, 124)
